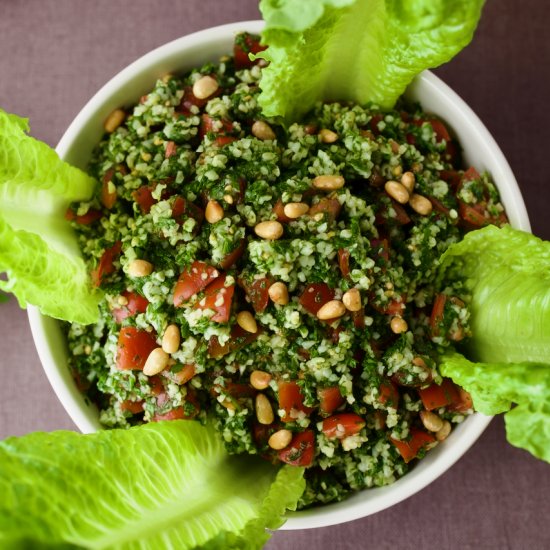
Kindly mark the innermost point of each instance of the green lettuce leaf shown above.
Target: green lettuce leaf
(38, 250)
(359, 50)
(164, 485)
(495, 386)
(507, 273)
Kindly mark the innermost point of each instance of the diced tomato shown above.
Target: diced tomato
(381, 249)
(220, 141)
(301, 450)
(279, 209)
(329, 399)
(342, 425)
(108, 198)
(440, 130)
(473, 215)
(86, 219)
(261, 433)
(401, 216)
(144, 198)
(217, 297)
(412, 447)
(373, 124)
(181, 376)
(216, 126)
(135, 407)
(178, 413)
(471, 174)
(436, 395)
(452, 177)
(464, 402)
(291, 400)
(315, 296)
(257, 293)
(170, 150)
(192, 280)
(239, 339)
(330, 207)
(136, 304)
(439, 206)
(234, 256)
(436, 318)
(389, 393)
(358, 318)
(134, 346)
(343, 262)
(236, 390)
(241, 51)
(183, 209)
(392, 307)
(106, 263)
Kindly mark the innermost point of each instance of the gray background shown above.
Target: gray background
(56, 54)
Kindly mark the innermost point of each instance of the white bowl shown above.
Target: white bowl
(480, 150)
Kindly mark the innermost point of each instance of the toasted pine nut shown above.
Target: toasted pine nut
(408, 180)
(213, 212)
(262, 130)
(140, 268)
(420, 204)
(228, 404)
(171, 339)
(204, 87)
(156, 362)
(264, 411)
(397, 191)
(228, 199)
(419, 362)
(260, 379)
(397, 171)
(114, 120)
(416, 168)
(122, 300)
(331, 310)
(329, 183)
(327, 136)
(431, 421)
(271, 230)
(352, 299)
(278, 292)
(398, 325)
(295, 209)
(280, 439)
(246, 321)
(444, 432)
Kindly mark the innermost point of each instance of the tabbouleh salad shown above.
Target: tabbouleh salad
(279, 280)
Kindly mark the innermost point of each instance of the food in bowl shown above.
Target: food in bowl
(280, 279)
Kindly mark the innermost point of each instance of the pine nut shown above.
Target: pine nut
(213, 212)
(278, 292)
(246, 321)
(271, 230)
(122, 300)
(295, 209)
(352, 299)
(262, 130)
(264, 411)
(171, 339)
(114, 120)
(397, 191)
(331, 310)
(420, 204)
(419, 362)
(398, 325)
(408, 180)
(431, 421)
(327, 136)
(280, 439)
(260, 379)
(397, 171)
(140, 268)
(329, 183)
(444, 432)
(204, 87)
(228, 199)
(156, 362)
(416, 168)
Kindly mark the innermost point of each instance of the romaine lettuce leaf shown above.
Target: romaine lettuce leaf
(359, 50)
(506, 272)
(495, 386)
(38, 250)
(164, 485)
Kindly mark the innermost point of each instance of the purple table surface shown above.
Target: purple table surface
(57, 54)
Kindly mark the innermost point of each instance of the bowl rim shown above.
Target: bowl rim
(355, 507)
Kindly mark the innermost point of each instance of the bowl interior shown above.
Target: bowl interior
(125, 89)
